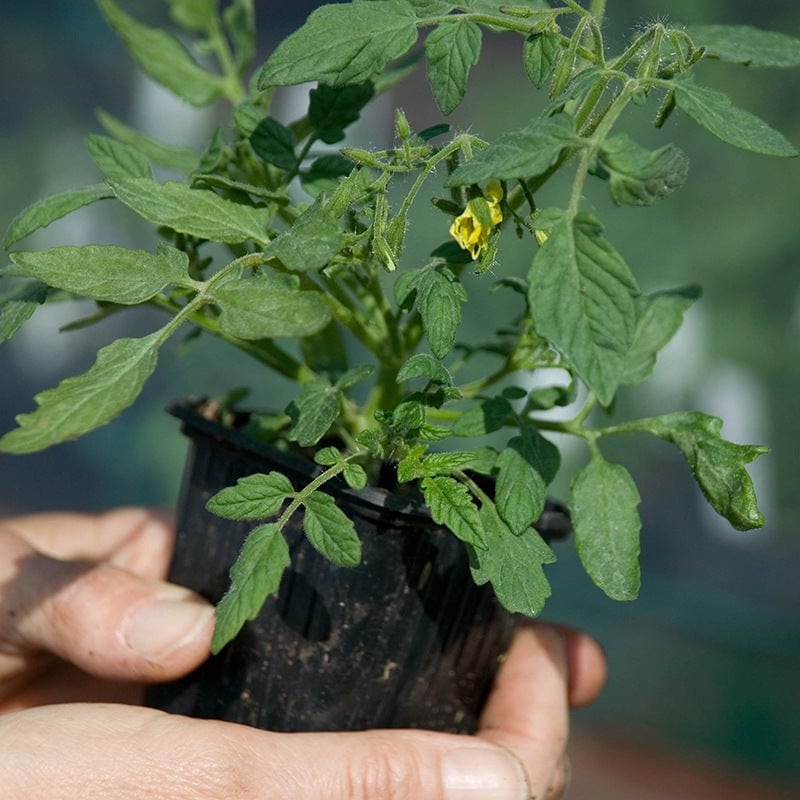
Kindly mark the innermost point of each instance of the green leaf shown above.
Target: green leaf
(639, 177)
(274, 143)
(525, 468)
(539, 54)
(332, 108)
(163, 57)
(486, 417)
(422, 365)
(116, 159)
(439, 297)
(85, 402)
(43, 212)
(312, 241)
(452, 49)
(313, 412)
(352, 377)
(239, 19)
(744, 44)
(194, 15)
(105, 272)
(513, 564)
(717, 464)
(325, 352)
(18, 306)
(255, 575)
(603, 506)
(355, 476)
(181, 159)
(715, 112)
(264, 306)
(659, 316)
(412, 467)
(255, 496)
(451, 505)
(342, 44)
(198, 212)
(582, 299)
(325, 173)
(520, 153)
(331, 531)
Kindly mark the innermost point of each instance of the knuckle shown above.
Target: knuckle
(389, 771)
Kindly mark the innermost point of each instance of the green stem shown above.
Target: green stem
(597, 9)
(234, 90)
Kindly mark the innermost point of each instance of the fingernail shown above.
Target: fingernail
(160, 628)
(476, 773)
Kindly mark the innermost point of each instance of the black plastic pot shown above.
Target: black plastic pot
(405, 639)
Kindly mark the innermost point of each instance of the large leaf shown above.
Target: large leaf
(274, 142)
(85, 402)
(198, 212)
(715, 112)
(639, 177)
(255, 575)
(603, 505)
(341, 44)
(717, 464)
(744, 44)
(43, 212)
(18, 306)
(312, 241)
(519, 153)
(332, 108)
(105, 272)
(659, 316)
(451, 505)
(331, 531)
(256, 496)
(452, 49)
(582, 298)
(265, 306)
(163, 57)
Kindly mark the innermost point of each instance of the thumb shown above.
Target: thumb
(103, 619)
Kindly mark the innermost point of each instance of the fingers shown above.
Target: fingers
(105, 751)
(586, 667)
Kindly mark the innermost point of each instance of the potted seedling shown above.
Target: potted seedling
(369, 544)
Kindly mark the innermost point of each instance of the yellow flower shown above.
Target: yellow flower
(472, 228)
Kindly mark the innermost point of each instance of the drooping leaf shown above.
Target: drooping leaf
(17, 307)
(105, 272)
(452, 49)
(520, 153)
(255, 575)
(332, 109)
(716, 113)
(265, 306)
(485, 417)
(639, 177)
(659, 316)
(43, 212)
(539, 55)
(117, 159)
(256, 496)
(163, 57)
(744, 44)
(312, 241)
(274, 143)
(313, 412)
(582, 298)
(603, 505)
(198, 212)
(717, 464)
(331, 531)
(342, 44)
(513, 564)
(451, 505)
(85, 402)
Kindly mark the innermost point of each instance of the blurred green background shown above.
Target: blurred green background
(706, 662)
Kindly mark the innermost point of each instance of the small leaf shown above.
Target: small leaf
(452, 49)
(451, 505)
(659, 316)
(603, 506)
(198, 212)
(255, 575)
(331, 531)
(116, 159)
(312, 241)
(265, 306)
(43, 212)
(744, 44)
(422, 365)
(255, 496)
(352, 377)
(328, 456)
(194, 15)
(85, 402)
(163, 57)
(313, 412)
(239, 19)
(520, 153)
(439, 297)
(105, 272)
(715, 112)
(539, 55)
(331, 109)
(274, 143)
(639, 177)
(354, 476)
(486, 417)
(18, 306)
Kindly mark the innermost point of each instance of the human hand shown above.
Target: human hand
(84, 615)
